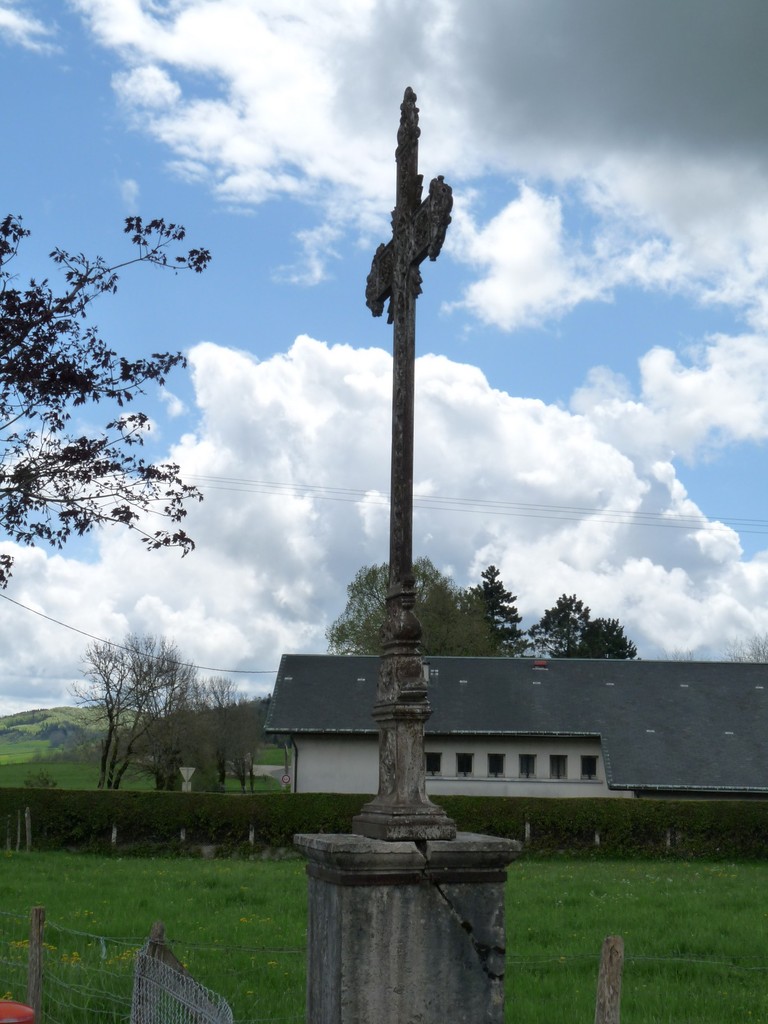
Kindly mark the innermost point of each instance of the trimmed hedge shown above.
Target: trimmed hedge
(614, 827)
(153, 822)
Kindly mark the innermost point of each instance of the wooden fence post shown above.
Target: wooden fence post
(608, 1004)
(28, 828)
(144, 1008)
(158, 949)
(35, 962)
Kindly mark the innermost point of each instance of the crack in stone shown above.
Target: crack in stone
(482, 949)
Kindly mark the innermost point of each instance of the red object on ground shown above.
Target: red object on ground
(15, 1013)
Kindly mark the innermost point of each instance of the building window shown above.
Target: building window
(495, 765)
(588, 766)
(558, 766)
(527, 766)
(464, 764)
(434, 766)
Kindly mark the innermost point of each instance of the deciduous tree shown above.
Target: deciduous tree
(217, 705)
(56, 481)
(453, 620)
(230, 728)
(109, 689)
(168, 741)
(752, 648)
(141, 690)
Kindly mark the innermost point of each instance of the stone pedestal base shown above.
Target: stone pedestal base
(405, 932)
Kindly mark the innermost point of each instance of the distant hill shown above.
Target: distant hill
(47, 741)
(44, 730)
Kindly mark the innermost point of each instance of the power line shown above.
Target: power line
(439, 503)
(478, 506)
(122, 647)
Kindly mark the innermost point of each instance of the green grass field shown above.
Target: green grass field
(21, 759)
(274, 756)
(23, 751)
(696, 934)
(66, 775)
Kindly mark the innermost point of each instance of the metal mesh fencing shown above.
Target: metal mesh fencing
(166, 994)
(14, 945)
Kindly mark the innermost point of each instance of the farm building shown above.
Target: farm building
(528, 727)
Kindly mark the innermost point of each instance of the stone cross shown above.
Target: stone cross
(401, 810)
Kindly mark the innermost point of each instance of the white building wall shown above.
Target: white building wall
(479, 783)
(336, 764)
(349, 764)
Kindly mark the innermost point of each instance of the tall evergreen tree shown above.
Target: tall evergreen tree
(604, 638)
(501, 613)
(560, 631)
(568, 631)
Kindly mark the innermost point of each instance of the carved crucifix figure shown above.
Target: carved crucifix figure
(401, 810)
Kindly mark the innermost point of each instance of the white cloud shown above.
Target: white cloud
(129, 191)
(689, 404)
(318, 247)
(592, 148)
(664, 151)
(174, 406)
(530, 274)
(293, 456)
(147, 87)
(23, 29)
(259, 104)
(719, 396)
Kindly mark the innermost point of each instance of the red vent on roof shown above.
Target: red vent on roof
(540, 663)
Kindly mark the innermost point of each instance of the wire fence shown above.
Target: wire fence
(89, 977)
(164, 992)
(734, 965)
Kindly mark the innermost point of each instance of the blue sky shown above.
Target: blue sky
(593, 359)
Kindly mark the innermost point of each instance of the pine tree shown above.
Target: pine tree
(568, 631)
(501, 613)
(560, 631)
(604, 638)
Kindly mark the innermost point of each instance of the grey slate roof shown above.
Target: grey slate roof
(663, 725)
